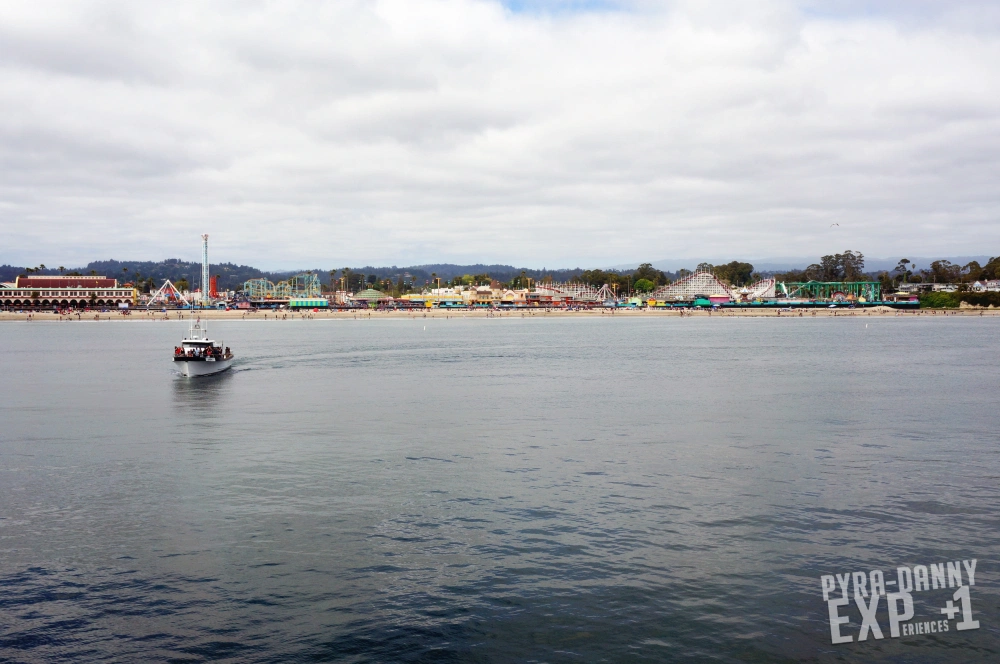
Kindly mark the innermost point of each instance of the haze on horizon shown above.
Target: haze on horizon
(539, 133)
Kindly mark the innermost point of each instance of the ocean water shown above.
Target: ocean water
(492, 490)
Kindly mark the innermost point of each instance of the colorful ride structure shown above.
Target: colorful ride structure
(305, 285)
(699, 284)
(572, 293)
(835, 291)
(707, 285)
(167, 294)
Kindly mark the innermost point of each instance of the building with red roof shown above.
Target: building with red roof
(62, 292)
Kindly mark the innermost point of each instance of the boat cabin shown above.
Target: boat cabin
(197, 345)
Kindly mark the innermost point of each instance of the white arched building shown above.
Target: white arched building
(58, 291)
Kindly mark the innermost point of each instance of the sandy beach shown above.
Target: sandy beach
(234, 315)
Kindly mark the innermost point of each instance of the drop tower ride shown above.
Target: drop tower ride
(205, 286)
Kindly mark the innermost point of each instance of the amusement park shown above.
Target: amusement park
(701, 289)
(705, 288)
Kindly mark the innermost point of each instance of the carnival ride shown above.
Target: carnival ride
(866, 291)
(761, 290)
(708, 285)
(206, 297)
(304, 285)
(703, 284)
(574, 292)
(166, 294)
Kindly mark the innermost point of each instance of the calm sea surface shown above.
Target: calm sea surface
(492, 490)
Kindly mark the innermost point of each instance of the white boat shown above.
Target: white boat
(200, 356)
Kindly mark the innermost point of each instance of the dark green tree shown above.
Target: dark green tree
(647, 272)
(945, 272)
(972, 271)
(886, 281)
(902, 270)
(735, 273)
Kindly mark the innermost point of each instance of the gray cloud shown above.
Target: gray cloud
(465, 130)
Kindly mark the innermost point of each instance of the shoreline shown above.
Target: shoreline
(210, 314)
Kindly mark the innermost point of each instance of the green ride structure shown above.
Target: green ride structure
(301, 290)
(832, 291)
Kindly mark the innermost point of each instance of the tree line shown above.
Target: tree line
(946, 272)
(850, 266)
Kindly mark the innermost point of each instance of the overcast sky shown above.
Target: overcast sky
(532, 132)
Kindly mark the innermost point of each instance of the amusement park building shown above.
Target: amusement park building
(60, 291)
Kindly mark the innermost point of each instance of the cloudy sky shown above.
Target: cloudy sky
(533, 132)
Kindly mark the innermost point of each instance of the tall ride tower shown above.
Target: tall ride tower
(204, 271)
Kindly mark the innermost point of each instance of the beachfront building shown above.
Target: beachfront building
(928, 288)
(308, 303)
(548, 298)
(481, 296)
(447, 297)
(61, 291)
(514, 297)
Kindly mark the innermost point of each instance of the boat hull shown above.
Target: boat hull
(193, 368)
